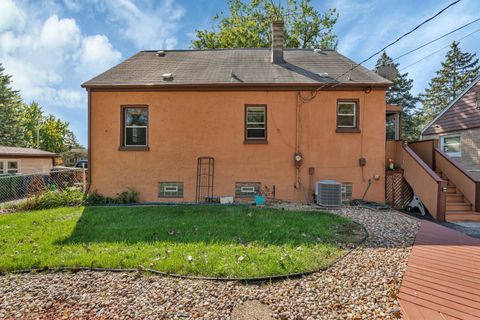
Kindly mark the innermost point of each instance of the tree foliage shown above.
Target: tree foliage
(458, 70)
(400, 94)
(248, 26)
(20, 122)
(54, 134)
(10, 105)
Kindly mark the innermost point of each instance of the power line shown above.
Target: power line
(381, 50)
(436, 51)
(409, 32)
(436, 39)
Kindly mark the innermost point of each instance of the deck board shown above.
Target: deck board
(442, 280)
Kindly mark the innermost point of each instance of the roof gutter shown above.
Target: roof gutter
(23, 155)
(239, 87)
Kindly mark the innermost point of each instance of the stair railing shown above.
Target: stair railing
(462, 179)
(427, 185)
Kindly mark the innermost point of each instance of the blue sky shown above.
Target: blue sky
(51, 46)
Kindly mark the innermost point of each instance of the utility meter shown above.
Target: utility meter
(298, 158)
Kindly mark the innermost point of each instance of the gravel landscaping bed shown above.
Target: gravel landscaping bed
(363, 285)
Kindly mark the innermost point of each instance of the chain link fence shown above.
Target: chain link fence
(21, 186)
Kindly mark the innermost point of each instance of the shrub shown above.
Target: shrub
(96, 199)
(128, 196)
(125, 197)
(53, 199)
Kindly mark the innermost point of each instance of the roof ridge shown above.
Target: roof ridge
(234, 49)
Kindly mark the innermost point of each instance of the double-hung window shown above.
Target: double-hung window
(135, 127)
(451, 145)
(347, 116)
(255, 123)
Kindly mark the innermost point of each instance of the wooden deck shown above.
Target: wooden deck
(442, 280)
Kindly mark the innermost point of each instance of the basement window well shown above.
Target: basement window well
(247, 189)
(170, 189)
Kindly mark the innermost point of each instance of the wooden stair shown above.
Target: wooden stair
(458, 208)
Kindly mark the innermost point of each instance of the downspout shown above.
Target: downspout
(89, 141)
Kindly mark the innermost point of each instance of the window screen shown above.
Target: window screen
(347, 114)
(135, 122)
(255, 123)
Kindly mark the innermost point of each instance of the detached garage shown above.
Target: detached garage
(25, 160)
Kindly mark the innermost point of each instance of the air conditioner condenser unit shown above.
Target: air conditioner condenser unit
(328, 193)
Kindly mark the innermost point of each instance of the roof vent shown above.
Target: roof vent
(167, 76)
(160, 53)
(323, 74)
(317, 50)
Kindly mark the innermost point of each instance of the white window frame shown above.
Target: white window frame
(354, 104)
(451, 154)
(170, 189)
(5, 166)
(247, 189)
(256, 108)
(129, 127)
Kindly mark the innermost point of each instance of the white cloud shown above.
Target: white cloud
(72, 5)
(50, 57)
(60, 34)
(147, 28)
(11, 17)
(97, 53)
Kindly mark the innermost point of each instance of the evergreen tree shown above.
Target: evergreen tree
(400, 94)
(10, 104)
(458, 70)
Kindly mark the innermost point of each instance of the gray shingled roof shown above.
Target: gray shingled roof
(26, 152)
(249, 66)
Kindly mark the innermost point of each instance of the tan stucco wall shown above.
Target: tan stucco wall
(186, 125)
(470, 158)
(32, 165)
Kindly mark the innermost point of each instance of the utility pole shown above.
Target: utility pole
(38, 134)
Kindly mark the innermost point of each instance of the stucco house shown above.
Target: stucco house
(457, 129)
(185, 125)
(14, 160)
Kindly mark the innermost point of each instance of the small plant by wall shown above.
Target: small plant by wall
(128, 196)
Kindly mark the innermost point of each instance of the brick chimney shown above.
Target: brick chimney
(277, 42)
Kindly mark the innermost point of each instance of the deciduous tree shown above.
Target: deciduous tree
(248, 26)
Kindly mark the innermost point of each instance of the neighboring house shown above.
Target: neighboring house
(457, 128)
(185, 125)
(72, 156)
(25, 160)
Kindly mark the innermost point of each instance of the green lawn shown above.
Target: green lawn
(231, 241)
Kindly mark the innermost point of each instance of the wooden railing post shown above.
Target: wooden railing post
(477, 196)
(441, 200)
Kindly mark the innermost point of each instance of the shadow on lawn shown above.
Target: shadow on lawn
(207, 224)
